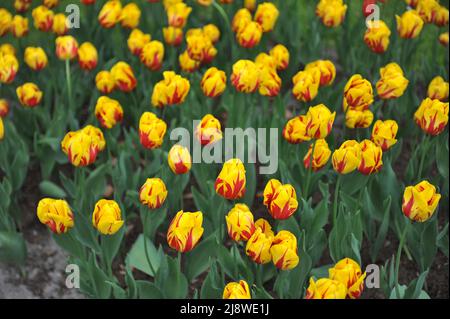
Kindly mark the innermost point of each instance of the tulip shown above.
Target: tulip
(326, 69)
(358, 94)
(59, 26)
(384, 133)
(137, 40)
(8, 68)
(231, 181)
(265, 60)
(412, 3)
(50, 3)
(377, 36)
(348, 272)
(167, 3)
(124, 78)
(29, 94)
(178, 14)
(420, 201)
(371, 157)
(82, 146)
(104, 82)
(347, 158)
(427, 10)
(319, 121)
(258, 247)
(153, 193)
(266, 15)
(409, 24)
(187, 64)
(321, 155)
(241, 18)
(326, 289)
(280, 200)
(432, 116)
(87, 56)
(208, 130)
(392, 83)
(200, 48)
(438, 89)
(269, 82)
(179, 159)
(240, 223)
(106, 217)
(172, 90)
(110, 13)
(245, 76)
(443, 39)
(66, 47)
(284, 250)
(265, 227)
(250, 4)
(212, 32)
(249, 35)
(19, 26)
(358, 119)
(2, 129)
(4, 108)
(214, 82)
(5, 21)
(295, 130)
(7, 48)
(281, 55)
(56, 214)
(306, 85)
(173, 36)
(332, 12)
(367, 7)
(43, 18)
(35, 58)
(88, 2)
(130, 16)
(108, 112)
(185, 231)
(22, 5)
(236, 290)
(205, 3)
(151, 130)
(441, 17)
(152, 55)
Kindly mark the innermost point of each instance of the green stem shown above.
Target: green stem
(336, 196)
(397, 258)
(425, 145)
(146, 214)
(228, 24)
(308, 178)
(69, 86)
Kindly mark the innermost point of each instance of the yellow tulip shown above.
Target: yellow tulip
(432, 116)
(331, 12)
(152, 55)
(19, 26)
(59, 26)
(185, 231)
(441, 17)
(371, 157)
(249, 35)
(110, 13)
(306, 85)
(348, 272)
(153, 193)
(427, 9)
(22, 5)
(151, 130)
(7, 48)
(2, 129)
(409, 24)
(173, 36)
(358, 119)
(438, 89)
(108, 112)
(280, 199)
(377, 36)
(326, 289)
(66, 47)
(130, 16)
(104, 82)
(43, 18)
(56, 214)
(281, 55)
(231, 181)
(284, 250)
(326, 68)
(214, 82)
(212, 32)
(266, 15)
(208, 130)
(124, 78)
(241, 18)
(87, 56)
(358, 94)
(443, 39)
(107, 217)
(5, 21)
(420, 201)
(265, 60)
(35, 58)
(319, 121)
(392, 83)
(384, 133)
(321, 155)
(240, 224)
(187, 64)
(236, 290)
(200, 48)
(245, 76)
(50, 3)
(29, 94)
(295, 130)
(137, 40)
(178, 14)
(269, 81)
(179, 159)
(258, 247)
(8, 68)
(4, 107)
(172, 90)
(347, 158)
(265, 227)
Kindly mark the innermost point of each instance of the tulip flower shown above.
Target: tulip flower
(265, 227)
(43, 18)
(269, 82)
(152, 55)
(326, 289)
(214, 82)
(319, 121)
(87, 56)
(151, 130)
(137, 40)
(5, 21)
(295, 130)
(427, 10)
(205, 3)
(19, 26)
(4, 107)
(281, 55)
(8, 68)
(280, 199)
(347, 158)
(29, 94)
(331, 12)
(104, 82)
(200, 48)
(7, 48)
(87, 2)
(108, 112)
(358, 94)
(236, 290)
(59, 26)
(110, 13)
(107, 217)
(266, 15)
(187, 64)
(22, 6)
(56, 214)
(443, 39)
(167, 3)
(82, 146)
(284, 250)
(438, 89)
(441, 17)
(306, 85)
(249, 35)
(432, 116)
(240, 224)
(35, 58)
(348, 272)
(208, 130)
(172, 90)
(412, 3)
(178, 14)
(130, 16)
(231, 181)
(245, 76)
(409, 24)
(50, 3)
(66, 47)
(212, 32)
(358, 119)
(377, 36)
(258, 247)
(153, 193)
(266, 60)
(384, 133)
(326, 68)
(420, 201)
(173, 36)
(185, 231)
(2, 129)
(124, 78)
(392, 83)
(179, 159)
(321, 155)
(241, 18)
(371, 157)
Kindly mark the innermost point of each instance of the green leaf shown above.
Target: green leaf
(13, 248)
(50, 189)
(171, 280)
(148, 290)
(384, 227)
(212, 287)
(111, 243)
(137, 258)
(442, 240)
(415, 287)
(196, 261)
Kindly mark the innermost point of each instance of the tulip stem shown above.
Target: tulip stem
(397, 259)
(69, 84)
(147, 256)
(308, 178)
(336, 197)
(228, 24)
(425, 146)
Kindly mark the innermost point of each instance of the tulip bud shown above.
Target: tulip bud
(326, 69)
(179, 159)
(43, 18)
(56, 214)
(50, 3)
(212, 32)
(443, 39)
(358, 94)
(384, 133)
(185, 231)
(269, 81)
(82, 146)
(441, 17)
(231, 181)
(348, 272)
(187, 64)
(326, 289)
(258, 247)
(104, 82)
(59, 26)
(321, 155)
(249, 35)
(87, 56)
(208, 130)
(172, 90)
(19, 26)
(66, 47)
(236, 290)
(4, 107)
(377, 36)
(281, 55)
(265, 60)
(241, 18)
(245, 76)
(427, 10)
(392, 83)
(153, 193)
(35, 58)
(152, 55)
(151, 130)
(173, 36)
(107, 217)
(266, 15)
(347, 158)
(358, 119)
(306, 85)
(284, 250)
(332, 13)
(110, 13)
(432, 116)
(178, 14)
(124, 78)
(420, 201)
(295, 130)
(319, 121)
(8, 68)
(409, 24)
(137, 40)
(130, 16)
(265, 227)
(280, 200)
(22, 6)
(2, 129)
(108, 112)
(214, 82)
(240, 223)
(7, 48)
(5, 21)
(200, 48)
(371, 157)
(438, 89)
(29, 94)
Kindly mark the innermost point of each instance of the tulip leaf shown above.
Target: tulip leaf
(148, 290)
(382, 231)
(260, 293)
(415, 287)
(428, 244)
(212, 287)
(137, 257)
(196, 261)
(13, 248)
(110, 244)
(171, 280)
(442, 240)
(50, 189)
